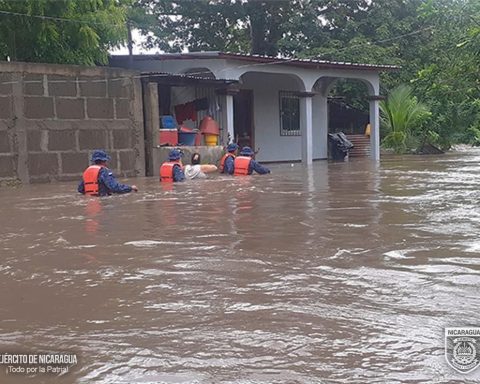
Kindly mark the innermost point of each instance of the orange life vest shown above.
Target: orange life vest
(166, 170)
(241, 165)
(90, 179)
(223, 159)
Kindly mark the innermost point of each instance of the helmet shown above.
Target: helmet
(232, 147)
(175, 154)
(99, 155)
(246, 151)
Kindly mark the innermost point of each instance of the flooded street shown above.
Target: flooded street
(341, 273)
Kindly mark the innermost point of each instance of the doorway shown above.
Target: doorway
(243, 118)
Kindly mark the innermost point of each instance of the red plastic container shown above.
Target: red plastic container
(198, 139)
(168, 137)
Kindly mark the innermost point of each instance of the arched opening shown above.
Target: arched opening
(348, 112)
(202, 72)
(348, 106)
(266, 112)
(191, 98)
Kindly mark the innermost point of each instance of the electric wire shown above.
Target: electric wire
(280, 61)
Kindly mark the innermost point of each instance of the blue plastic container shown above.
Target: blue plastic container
(167, 121)
(186, 138)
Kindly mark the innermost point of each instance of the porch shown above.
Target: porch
(276, 106)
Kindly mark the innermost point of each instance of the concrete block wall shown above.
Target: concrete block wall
(53, 116)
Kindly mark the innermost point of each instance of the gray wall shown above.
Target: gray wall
(53, 116)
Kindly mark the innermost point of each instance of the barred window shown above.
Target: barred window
(289, 114)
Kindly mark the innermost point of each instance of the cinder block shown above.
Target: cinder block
(4, 142)
(70, 108)
(122, 108)
(61, 140)
(42, 164)
(92, 139)
(122, 139)
(33, 84)
(7, 168)
(39, 107)
(5, 124)
(6, 83)
(113, 162)
(34, 139)
(119, 87)
(60, 85)
(74, 162)
(6, 107)
(41, 179)
(100, 108)
(93, 86)
(127, 160)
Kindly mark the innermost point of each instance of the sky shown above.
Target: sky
(137, 49)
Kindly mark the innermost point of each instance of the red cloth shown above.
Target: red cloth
(185, 112)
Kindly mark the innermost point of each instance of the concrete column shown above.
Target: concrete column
(227, 124)
(375, 128)
(152, 124)
(306, 126)
(20, 128)
(139, 128)
(320, 130)
(229, 117)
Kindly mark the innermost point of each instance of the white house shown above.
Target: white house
(277, 105)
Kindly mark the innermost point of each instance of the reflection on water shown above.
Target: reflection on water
(341, 272)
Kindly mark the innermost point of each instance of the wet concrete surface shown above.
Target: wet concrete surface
(337, 273)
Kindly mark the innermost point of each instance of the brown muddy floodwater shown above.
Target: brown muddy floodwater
(340, 273)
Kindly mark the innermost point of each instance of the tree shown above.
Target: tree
(448, 79)
(61, 31)
(253, 26)
(401, 114)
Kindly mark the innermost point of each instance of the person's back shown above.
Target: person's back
(172, 170)
(227, 162)
(245, 164)
(98, 180)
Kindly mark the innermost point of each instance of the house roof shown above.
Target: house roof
(177, 79)
(260, 59)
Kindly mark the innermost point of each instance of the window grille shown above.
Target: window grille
(289, 114)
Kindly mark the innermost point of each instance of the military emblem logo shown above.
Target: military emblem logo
(462, 348)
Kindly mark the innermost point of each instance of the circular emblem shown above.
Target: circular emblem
(464, 352)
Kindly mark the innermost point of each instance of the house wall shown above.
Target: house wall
(53, 116)
(273, 147)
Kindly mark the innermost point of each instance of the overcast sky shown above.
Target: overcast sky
(137, 39)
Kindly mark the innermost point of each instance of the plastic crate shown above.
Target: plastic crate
(168, 137)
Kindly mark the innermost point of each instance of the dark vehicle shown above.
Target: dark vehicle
(339, 145)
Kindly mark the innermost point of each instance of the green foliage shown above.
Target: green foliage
(225, 25)
(435, 42)
(402, 117)
(448, 78)
(473, 136)
(61, 31)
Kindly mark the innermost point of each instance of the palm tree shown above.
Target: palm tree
(400, 113)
